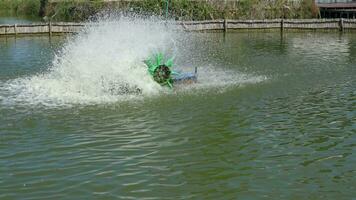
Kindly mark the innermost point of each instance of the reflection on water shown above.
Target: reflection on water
(18, 20)
(24, 55)
(291, 136)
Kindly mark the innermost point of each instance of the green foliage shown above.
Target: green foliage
(306, 9)
(193, 10)
(261, 9)
(73, 10)
(20, 7)
(42, 11)
(79, 10)
(178, 9)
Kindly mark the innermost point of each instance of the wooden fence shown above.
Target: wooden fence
(223, 25)
(41, 28)
(283, 24)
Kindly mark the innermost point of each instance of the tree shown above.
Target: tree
(43, 7)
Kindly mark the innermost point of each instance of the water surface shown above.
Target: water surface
(6, 19)
(285, 131)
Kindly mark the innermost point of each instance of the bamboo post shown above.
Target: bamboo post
(282, 25)
(50, 28)
(341, 25)
(225, 25)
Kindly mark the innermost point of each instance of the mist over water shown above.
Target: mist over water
(105, 58)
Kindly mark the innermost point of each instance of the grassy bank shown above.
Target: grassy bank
(262, 9)
(78, 10)
(20, 7)
(179, 9)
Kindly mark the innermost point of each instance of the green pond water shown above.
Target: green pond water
(6, 19)
(285, 131)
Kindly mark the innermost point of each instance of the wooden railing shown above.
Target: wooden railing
(223, 25)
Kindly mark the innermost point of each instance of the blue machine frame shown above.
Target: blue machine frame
(185, 78)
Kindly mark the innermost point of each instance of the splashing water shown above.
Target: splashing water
(104, 61)
(98, 63)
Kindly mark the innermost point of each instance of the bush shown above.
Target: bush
(79, 10)
(73, 10)
(20, 7)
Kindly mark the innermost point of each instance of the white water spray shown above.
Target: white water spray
(101, 62)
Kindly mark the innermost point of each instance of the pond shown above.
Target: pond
(271, 117)
(18, 20)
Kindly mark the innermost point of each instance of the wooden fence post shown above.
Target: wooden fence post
(282, 25)
(341, 25)
(225, 25)
(50, 28)
(15, 29)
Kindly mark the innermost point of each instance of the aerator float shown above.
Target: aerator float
(163, 74)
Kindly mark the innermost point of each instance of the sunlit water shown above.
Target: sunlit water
(271, 117)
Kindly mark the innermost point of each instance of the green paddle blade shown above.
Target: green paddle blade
(154, 64)
(159, 58)
(169, 62)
